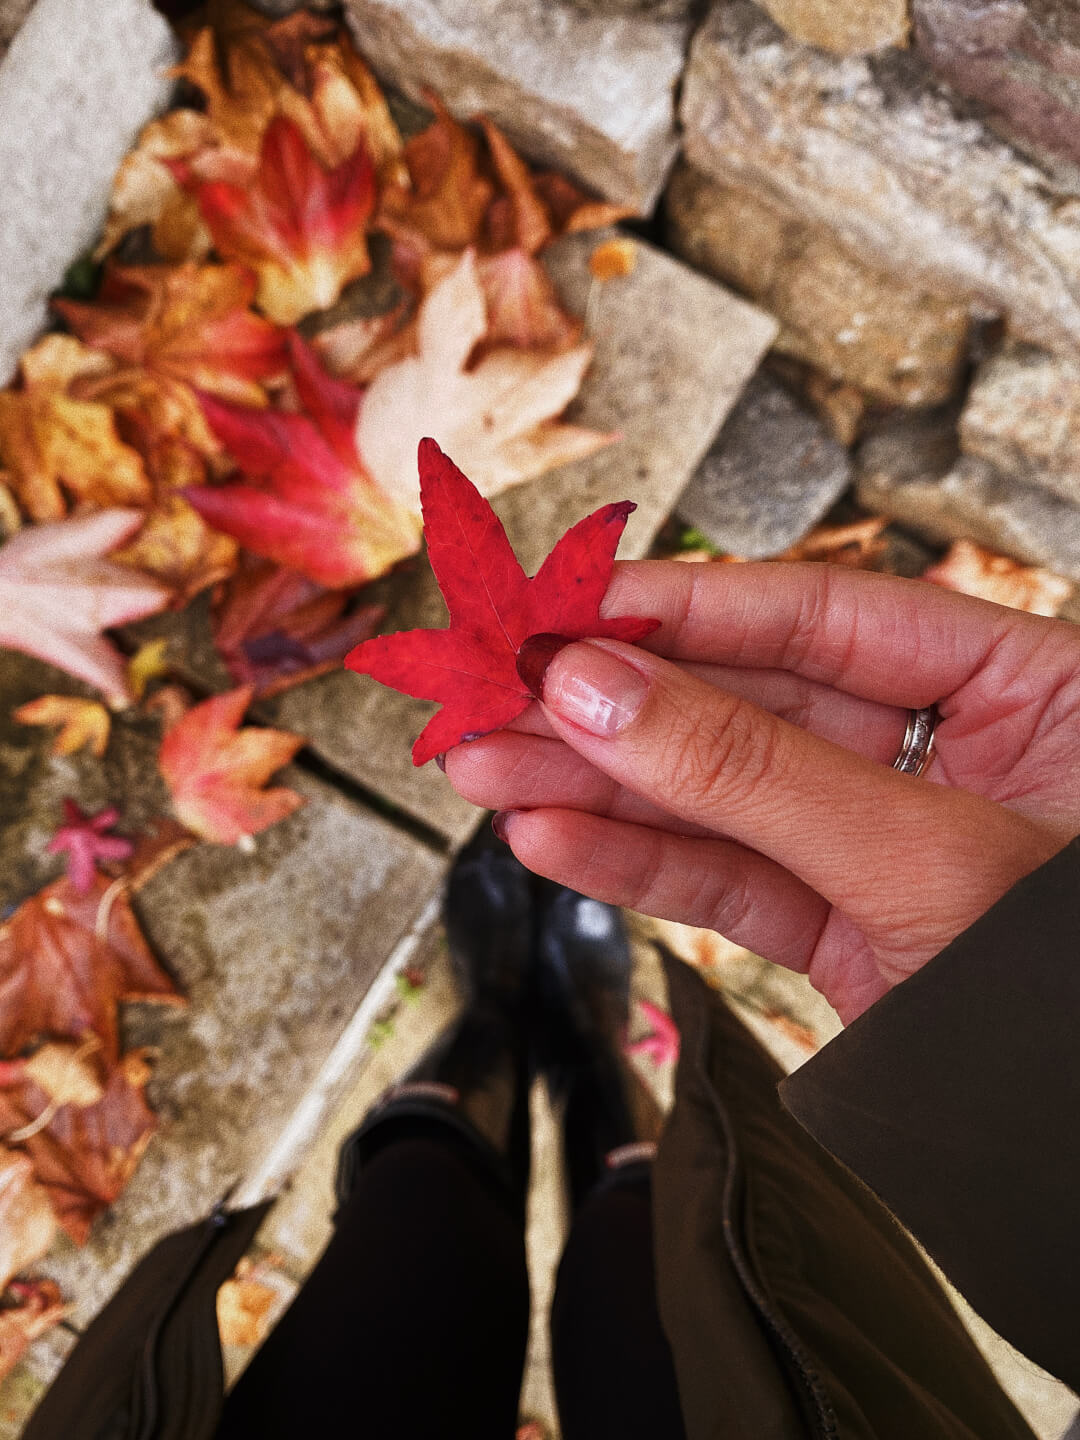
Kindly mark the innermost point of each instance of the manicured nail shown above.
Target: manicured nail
(534, 657)
(440, 761)
(595, 690)
(500, 823)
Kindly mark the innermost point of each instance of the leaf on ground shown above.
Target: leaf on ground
(82, 722)
(661, 1043)
(161, 840)
(523, 305)
(27, 1223)
(40, 1307)
(313, 506)
(358, 349)
(496, 418)
(446, 198)
(186, 322)
(275, 628)
(149, 663)
(215, 771)
(58, 592)
(67, 960)
(64, 1070)
(471, 667)
(244, 1303)
(859, 545)
(84, 840)
(613, 259)
(55, 446)
(300, 226)
(974, 571)
(83, 1156)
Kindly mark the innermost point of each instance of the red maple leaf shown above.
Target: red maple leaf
(661, 1044)
(84, 839)
(494, 608)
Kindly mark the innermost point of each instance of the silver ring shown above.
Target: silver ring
(918, 743)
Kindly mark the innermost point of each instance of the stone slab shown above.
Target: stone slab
(591, 94)
(275, 950)
(673, 352)
(853, 322)
(1020, 58)
(771, 475)
(76, 87)
(844, 27)
(873, 153)
(910, 471)
(1023, 415)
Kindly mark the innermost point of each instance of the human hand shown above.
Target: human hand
(734, 770)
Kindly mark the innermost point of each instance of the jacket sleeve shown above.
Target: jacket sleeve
(956, 1098)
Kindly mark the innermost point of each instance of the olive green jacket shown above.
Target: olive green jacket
(795, 1303)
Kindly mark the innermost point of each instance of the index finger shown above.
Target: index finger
(902, 642)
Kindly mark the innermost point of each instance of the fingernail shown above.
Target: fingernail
(534, 657)
(500, 823)
(440, 761)
(596, 690)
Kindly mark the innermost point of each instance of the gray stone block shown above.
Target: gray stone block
(771, 475)
(76, 87)
(591, 94)
(874, 154)
(673, 352)
(910, 471)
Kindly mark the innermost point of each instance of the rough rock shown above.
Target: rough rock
(1020, 58)
(771, 475)
(76, 86)
(274, 950)
(1023, 414)
(909, 469)
(845, 27)
(876, 154)
(592, 94)
(903, 345)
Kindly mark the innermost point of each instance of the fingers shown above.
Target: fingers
(897, 641)
(711, 883)
(856, 832)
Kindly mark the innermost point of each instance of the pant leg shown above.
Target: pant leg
(415, 1320)
(613, 1368)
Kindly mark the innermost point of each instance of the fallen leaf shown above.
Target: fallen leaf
(67, 960)
(149, 663)
(54, 445)
(613, 259)
(40, 1308)
(496, 418)
(446, 199)
(348, 109)
(243, 1307)
(215, 771)
(800, 1034)
(83, 1156)
(58, 592)
(571, 209)
(300, 226)
(314, 506)
(275, 628)
(186, 322)
(83, 839)
(358, 349)
(161, 840)
(523, 306)
(859, 545)
(82, 722)
(661, 1044)
(974, 571)
(64, 1071)
(517, 219)
(27, 1223)
(494, 608)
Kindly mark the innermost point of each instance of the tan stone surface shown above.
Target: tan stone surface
(673, 351)
(905, 346)
(874, 154)
(591, 94)
(1023, 414)
(845, 27)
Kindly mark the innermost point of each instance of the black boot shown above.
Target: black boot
(472, 1085)
(611, 1121)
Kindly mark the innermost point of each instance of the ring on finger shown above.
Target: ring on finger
(918, 743)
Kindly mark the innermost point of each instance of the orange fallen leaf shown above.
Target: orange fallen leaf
(215, 770)
(446, 199)
(613, 259)
(83, 1157)
(149, 663)
(160, 842)
(40, 1308)
(67, 960)
(82, 722)
(859, 545)
(186, 322)
(54, 445)
(974, 571)
(243, 1306)
(27, 1223)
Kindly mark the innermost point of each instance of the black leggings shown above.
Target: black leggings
(414, 1323)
